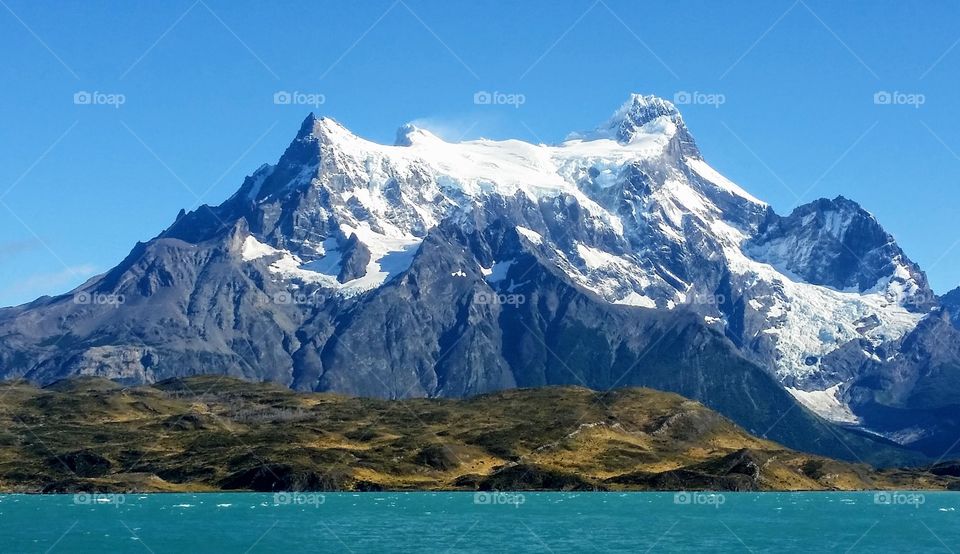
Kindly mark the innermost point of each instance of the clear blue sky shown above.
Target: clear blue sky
(80, 184)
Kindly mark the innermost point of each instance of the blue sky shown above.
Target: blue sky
(81, 183)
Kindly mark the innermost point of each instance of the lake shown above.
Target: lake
(482, 522)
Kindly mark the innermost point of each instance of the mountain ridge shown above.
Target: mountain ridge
(431, 268)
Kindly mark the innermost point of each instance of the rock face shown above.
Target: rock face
(426, 268)
(838, 244)
(908, 394)
(951, 301)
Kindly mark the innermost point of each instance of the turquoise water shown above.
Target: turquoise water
(465, 522)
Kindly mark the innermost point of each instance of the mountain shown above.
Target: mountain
(837, 244)
(951, 302)
(215, 433)
(426, 268)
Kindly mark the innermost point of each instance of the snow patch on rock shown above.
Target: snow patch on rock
(254, 249)
(826, 404)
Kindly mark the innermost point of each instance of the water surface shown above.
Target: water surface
(483, 522)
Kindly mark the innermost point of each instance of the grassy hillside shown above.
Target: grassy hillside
(212, 433)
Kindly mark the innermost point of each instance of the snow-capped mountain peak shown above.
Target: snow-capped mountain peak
(837, 243)
(409, 134)
(329, 130)
(629, 216)
(642, 115)
(630, 212)
(638, 112)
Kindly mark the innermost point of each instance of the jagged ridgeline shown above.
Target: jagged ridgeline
(618, 257)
